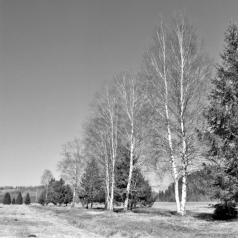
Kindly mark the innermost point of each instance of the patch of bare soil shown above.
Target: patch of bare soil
(24, 221)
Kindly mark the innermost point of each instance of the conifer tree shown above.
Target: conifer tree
(27, 199)
(68, 195)
(41, 199)
(91, 183)
(13, 201)
(140, 192)
(19, 199)
(222, 119)
(7, 199)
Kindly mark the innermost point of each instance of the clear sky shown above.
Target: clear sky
(54, 56)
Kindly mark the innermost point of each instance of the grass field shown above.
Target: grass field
(20, 221)
(159, 221)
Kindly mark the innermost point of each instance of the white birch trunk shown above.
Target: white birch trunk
(46, 194)
(130, 172)
(74, 195)
(113, 158)
(112, 189)
(182, 126)
(172, 159)
(184, 194)
(107, 193)
(176, 183)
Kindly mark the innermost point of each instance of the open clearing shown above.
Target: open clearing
(158, 221)
(24, 221)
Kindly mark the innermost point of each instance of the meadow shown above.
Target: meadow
(160, 220)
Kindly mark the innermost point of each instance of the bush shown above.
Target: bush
(225, 211)
(27, 199)
(19, 199)
(7, 199)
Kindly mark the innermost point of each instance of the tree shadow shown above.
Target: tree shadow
(99, 208)
(206, 216)
(153, 211)
(168, 213)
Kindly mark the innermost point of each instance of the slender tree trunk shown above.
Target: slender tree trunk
(46, 194)
(74, 195)
(182, 123)
(172, 159)
(113, 154)
(130, 171)
(184, 178)
(107, 193)
(112, 188)
(184, 193)
(176, 188)
(36, 196)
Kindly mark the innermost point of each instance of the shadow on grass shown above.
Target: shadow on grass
(202, 216)
(168, 213)
(99, 208)
(153, 211)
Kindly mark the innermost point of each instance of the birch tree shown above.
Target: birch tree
(131, 102)
(105, 109)
(45, 180)
(71, 164)
(177, 72)
(97, 146)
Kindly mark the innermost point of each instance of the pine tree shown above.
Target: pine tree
(68, 195)
(140, 191)
(19, 199)
(13, 201)
(91, 183)
(27, 199)
(7, 199)
(58, 193)
(222, 119)
(41, 199)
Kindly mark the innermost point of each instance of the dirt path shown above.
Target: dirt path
(24, 221)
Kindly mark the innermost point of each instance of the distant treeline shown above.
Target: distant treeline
(198, 189)
(22, 187)
(34, 191)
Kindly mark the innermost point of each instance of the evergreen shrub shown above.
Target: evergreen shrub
(27, 199)
(7, 199)
(19, 199)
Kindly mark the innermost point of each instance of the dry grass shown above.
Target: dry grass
(23, 221)
(159, 221)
